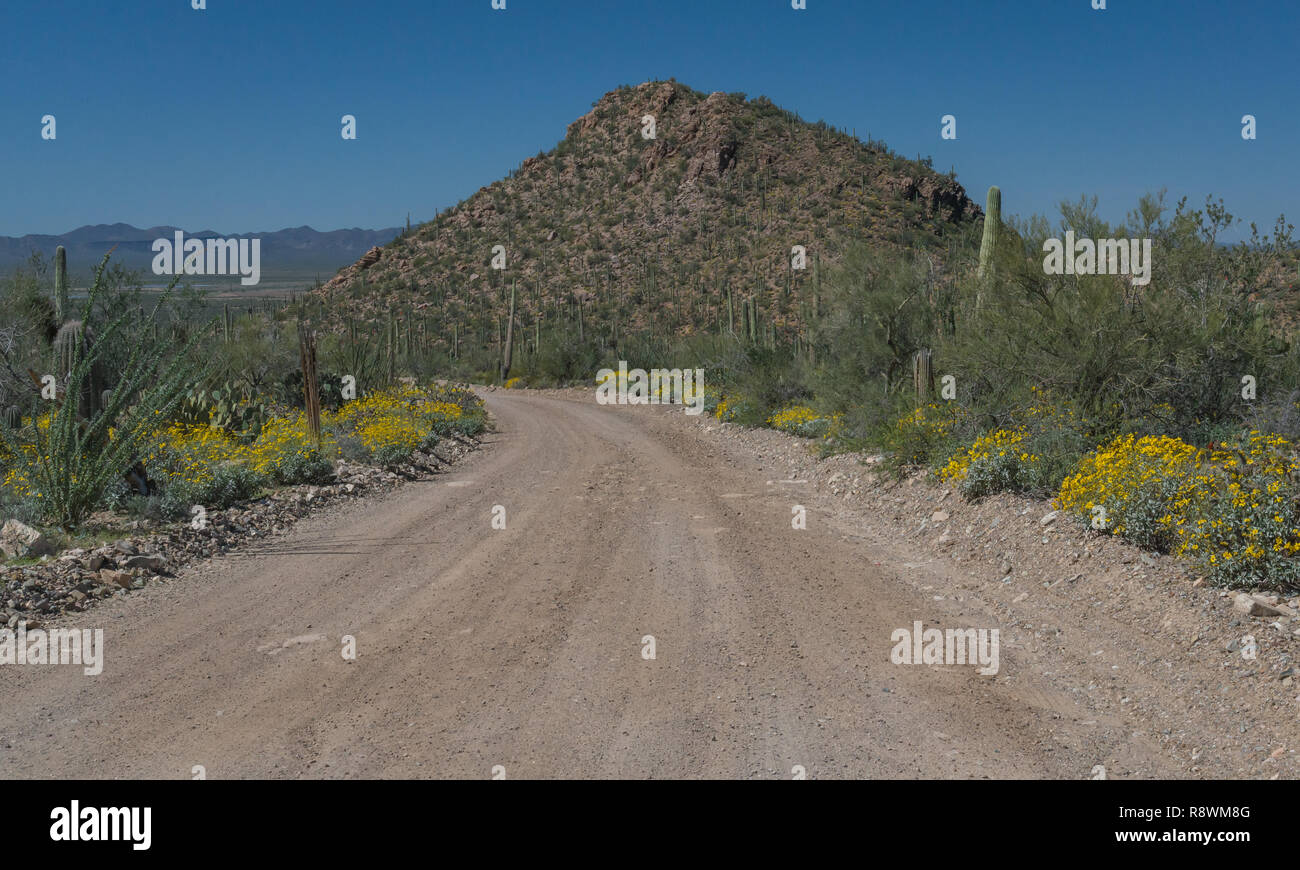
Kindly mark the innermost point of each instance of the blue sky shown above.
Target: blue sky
(228, 118)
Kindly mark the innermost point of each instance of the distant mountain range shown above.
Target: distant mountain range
(294, 249)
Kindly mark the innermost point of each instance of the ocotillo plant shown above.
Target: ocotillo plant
(510, 335)
(61, 306)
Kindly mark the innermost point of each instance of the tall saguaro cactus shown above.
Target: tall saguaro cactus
(989, 244)
(510, 337)
(390, 333)
(923, 374)
(61, 305)
(992, 230)
(72, 344)
(310, 378)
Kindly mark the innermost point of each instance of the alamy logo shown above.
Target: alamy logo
(216, 257)
(956, 646)
(1101, 257)
(658, 386)
(58, 646)
(75, 823)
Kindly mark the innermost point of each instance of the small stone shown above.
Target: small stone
(149, 563)
(19, 540)
(1252, 606)
(115, 578)
(939, 517)
(1048, 519)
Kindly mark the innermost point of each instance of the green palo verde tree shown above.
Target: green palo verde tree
(71, 461)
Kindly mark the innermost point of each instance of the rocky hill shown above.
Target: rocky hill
(673, 232)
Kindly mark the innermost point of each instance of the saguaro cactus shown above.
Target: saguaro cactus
(923, 374)
(61, 305)
(72, 344)
(510, 337)
(389, 333)
(310, 379)
(992, 230)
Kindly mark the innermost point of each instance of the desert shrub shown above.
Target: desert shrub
(880, 309)
(1166, 357)
(712, 398)
(738, 409)
(997, 462)
(226, 485)
(1232, 508)
(802, 421)
(925, 436)
(286, 453)
(1036, 448)
(23, 509)
(770, 380)
(387, 426)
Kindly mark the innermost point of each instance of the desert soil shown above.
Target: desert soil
(523, 648)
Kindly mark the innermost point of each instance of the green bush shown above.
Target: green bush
(309, 466)
(229, 484)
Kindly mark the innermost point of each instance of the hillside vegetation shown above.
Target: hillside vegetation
(612, 238)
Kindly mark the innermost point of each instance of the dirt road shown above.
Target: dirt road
(523, 647)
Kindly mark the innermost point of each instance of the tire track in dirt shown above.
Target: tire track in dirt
(522, 647)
